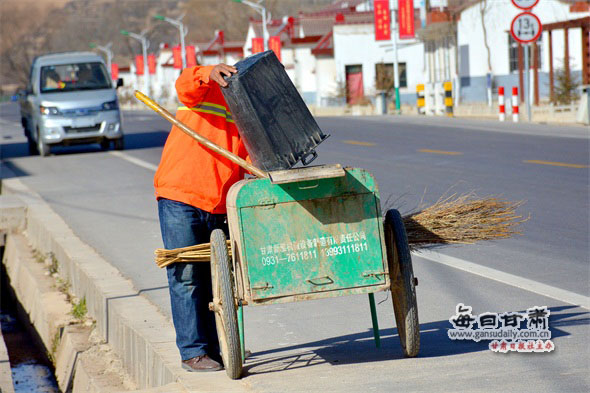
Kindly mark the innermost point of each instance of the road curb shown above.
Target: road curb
(137, 331)
(6, 382)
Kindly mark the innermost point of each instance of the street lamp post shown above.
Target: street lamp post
(262, 11)
(183, 32)
(144, 45)
(106, 49)
(395, 61)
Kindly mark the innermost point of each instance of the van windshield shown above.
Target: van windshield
(72, 77)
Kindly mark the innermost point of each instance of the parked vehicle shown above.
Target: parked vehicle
(70, 99)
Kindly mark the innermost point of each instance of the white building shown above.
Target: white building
(503, 58)
(355, 50)
(307, 49)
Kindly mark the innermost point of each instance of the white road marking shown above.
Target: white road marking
(506, 278)
(134, 160)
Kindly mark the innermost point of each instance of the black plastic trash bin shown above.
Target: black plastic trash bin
(277, 128)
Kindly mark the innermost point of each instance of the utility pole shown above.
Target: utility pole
(395, 59)
(527, 81)
(262, 11)
(183, 32)
(106, 49)
(144, 45)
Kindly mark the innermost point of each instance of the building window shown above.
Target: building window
(513, 53)
(384, 76)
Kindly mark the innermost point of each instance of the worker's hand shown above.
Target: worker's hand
(219, 71)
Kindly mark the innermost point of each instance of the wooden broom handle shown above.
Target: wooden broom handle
(202, 140)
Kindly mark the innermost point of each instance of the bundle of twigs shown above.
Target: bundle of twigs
(463, 219)
(198, 253)
(454, 219)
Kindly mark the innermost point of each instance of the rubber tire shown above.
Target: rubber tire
(226, 319)
(119, 144)
(31, 145)
(403, 288)
(43, 148)
(105, 144)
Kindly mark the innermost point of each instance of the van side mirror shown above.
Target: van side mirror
(119, 82)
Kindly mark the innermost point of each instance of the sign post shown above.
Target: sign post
(526, 28)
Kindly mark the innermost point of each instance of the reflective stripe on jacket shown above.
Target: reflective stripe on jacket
(189, 172)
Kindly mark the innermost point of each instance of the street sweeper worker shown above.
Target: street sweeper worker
(191, 186)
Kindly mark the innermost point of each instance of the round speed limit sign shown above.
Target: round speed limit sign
(526, 27)
(525, 4)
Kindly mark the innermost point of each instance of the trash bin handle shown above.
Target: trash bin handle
(329, 280)
(308, 187)
(313, 155)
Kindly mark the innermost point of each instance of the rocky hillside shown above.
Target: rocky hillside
(29, 28)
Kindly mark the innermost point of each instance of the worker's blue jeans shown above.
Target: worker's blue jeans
(183, 225)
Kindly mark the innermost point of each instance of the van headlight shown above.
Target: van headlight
(110, 106)
(49, 110)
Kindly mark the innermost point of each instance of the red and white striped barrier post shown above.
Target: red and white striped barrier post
(515, 104)
(501, 106)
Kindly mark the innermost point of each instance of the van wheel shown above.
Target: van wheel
(119, 144)
(43, 148)
(105, 144)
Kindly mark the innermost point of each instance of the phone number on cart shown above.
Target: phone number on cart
(313, 254)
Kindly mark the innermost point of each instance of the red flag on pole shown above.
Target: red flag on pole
(257, 45)
(114, 71)
(382, 20)
(191, 57)
(177, 56)
(139, 65)
(405, 9)
(274, 43)
(152, 64)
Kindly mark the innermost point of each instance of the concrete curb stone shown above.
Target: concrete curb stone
(137, 331)
(6, 382)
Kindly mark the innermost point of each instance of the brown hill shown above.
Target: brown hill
(29, 28)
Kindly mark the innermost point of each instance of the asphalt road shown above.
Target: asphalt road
(107, 199)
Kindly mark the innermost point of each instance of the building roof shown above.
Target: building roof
(339, 6)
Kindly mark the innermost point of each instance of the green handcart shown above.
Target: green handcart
(301, 234)
(305, 234)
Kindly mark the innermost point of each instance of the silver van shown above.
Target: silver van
(70, 99)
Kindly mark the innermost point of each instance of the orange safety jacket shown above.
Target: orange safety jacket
(189, 172)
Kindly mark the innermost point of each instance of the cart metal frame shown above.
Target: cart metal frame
(305, 234)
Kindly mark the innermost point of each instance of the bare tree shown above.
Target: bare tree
(17, 46)
(483, 10)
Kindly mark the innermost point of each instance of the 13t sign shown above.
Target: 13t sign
(526, 27)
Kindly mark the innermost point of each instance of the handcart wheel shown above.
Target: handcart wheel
(403, 288)
(226, 319)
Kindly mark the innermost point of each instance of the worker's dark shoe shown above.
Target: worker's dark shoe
(201, 364)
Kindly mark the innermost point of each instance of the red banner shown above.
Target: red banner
(191, 56)
(114, 71)
(405, 10)
(177, 56)
(152, 64)
(257, 45)
(274, 43)
(382, 20)
(139, 65)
